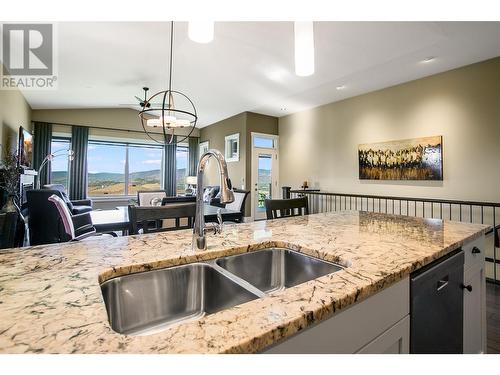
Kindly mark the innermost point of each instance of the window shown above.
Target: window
(59, 165)
(232, 147)
(121, 169)
(263, 141)
(182, 159)
(144, 168)
(106, 168)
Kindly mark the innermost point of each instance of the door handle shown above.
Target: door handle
(468, 287)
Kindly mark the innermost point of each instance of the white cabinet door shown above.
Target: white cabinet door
(355, 327)
(474, 312)
(396, 340)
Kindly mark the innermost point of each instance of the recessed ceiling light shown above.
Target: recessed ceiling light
(283, 109)
(341, 87)
(201, 31)
(428, 59)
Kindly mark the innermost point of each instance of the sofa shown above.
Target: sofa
(240, 197)
(211, 195)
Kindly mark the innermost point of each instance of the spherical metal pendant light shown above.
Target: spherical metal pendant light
(174, 109)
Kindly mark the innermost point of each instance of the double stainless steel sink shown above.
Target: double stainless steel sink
(148, 302)
(276, 269)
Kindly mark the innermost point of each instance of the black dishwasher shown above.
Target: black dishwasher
(436, 309)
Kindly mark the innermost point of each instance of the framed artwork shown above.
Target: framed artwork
(202, 148)
(407, 159)
(232, 147)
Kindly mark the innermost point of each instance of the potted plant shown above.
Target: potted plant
(9, 180)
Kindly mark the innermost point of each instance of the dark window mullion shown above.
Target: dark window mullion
(126, 166)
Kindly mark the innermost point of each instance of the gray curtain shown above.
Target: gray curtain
(193, 155)
(78, 167)
(170, 170)
(41, 148)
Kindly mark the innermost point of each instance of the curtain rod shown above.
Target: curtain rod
(99, 127)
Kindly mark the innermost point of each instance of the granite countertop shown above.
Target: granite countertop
(51, 302)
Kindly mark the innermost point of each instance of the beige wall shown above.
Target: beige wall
(462, 105)
(111, 118)
(245, 123)
(215, 134)
(14, 112)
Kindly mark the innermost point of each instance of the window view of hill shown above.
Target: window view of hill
(107, 163)
(104, 183)
(59, 177)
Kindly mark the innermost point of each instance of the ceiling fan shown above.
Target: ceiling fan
(141, 102)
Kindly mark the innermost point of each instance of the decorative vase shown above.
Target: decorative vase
(10, 206)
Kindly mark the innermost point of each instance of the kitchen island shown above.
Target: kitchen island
(51, 300)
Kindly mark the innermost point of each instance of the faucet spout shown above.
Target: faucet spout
(227, 196)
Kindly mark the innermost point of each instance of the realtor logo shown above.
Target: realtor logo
(28, 56)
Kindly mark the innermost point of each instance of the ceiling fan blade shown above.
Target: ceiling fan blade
(129, 105)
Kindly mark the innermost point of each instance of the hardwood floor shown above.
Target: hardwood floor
(493, 317)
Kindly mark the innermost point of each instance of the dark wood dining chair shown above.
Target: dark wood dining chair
(497, 236)
(173, 200)
(176, 200)
(286, 207)
(150, 218)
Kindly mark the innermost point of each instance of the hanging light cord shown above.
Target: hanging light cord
(168, 138)
(170, 104)
(171, 55)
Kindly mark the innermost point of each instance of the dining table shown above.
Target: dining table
(116, 220)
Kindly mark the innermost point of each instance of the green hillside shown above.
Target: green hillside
(61, 176)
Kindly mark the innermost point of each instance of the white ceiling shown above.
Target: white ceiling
(250, 67)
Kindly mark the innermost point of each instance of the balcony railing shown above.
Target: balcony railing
(445, 209)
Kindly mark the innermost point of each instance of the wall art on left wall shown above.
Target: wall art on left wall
(407, 159)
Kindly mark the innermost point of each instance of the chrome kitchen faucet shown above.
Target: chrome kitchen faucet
(226, 196)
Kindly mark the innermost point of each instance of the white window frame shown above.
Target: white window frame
(273, 137)
(203, 147)
(227, 150)
(184, 145)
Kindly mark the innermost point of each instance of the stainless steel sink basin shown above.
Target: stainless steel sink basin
(275, 269)
(148, 302)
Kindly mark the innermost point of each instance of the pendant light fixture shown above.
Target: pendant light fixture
(174, 111)
(304, 48)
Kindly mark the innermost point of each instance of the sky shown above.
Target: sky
(60, 163)
(111, 158)
(265, 163)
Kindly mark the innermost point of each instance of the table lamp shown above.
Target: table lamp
(191, 182)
